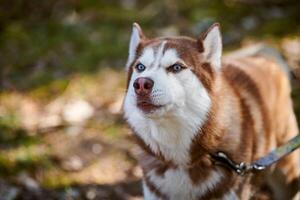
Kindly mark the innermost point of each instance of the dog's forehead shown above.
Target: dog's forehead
(152, 53)
(168, 50)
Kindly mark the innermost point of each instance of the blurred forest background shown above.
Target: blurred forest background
(62, 82)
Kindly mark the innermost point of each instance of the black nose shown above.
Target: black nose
(143, 86)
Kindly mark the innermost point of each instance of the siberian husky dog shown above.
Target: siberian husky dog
(184, 103)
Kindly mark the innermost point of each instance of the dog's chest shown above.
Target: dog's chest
(176, 183)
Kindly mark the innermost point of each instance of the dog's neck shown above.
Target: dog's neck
(172, 135)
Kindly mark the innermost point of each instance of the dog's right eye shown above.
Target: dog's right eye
(140, 67)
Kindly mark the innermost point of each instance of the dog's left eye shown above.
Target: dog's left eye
(175, 68)
(140, 67)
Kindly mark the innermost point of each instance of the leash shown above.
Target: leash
(260, 164)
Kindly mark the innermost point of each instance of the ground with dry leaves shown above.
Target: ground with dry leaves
(75, 145)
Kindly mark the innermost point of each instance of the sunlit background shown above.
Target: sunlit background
(62, 82)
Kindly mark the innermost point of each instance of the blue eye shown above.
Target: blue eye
(140, 67)
(175, 68)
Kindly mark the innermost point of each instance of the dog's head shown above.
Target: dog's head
(167, 73)
(171, 78)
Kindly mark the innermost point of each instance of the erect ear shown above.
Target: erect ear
(212, 44)
(136, 37)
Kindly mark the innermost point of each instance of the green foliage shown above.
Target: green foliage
(42, 41)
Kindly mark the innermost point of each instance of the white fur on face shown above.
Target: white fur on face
(170, 57)
(185, 102)
(147, 57)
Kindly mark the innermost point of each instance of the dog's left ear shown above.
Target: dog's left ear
(136, 37)
(212, 45)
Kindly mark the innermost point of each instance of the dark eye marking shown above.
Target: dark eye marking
(140, 67)
(175, 68)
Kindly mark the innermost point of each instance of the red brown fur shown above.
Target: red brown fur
(257, 93)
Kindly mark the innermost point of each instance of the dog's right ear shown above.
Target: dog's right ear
(136, 37)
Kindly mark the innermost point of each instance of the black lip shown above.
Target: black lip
(147, 106)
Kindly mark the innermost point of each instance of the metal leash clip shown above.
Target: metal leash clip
(240, 168)
(260, 164)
